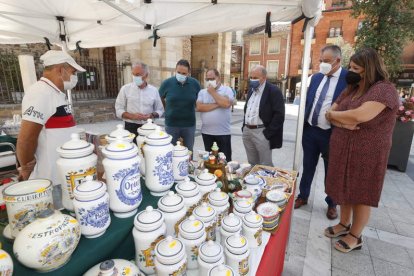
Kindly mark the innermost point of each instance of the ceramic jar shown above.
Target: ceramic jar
(170, 257)
(115, 267)
(120, 132)
(24, 200)
(220, 202)
(121, 166)
(47, 243)
(6, 263)
(278, 197)
(207, 214)
(76, 161)
(206, 181)
(270, 214)
(158, 152)
(237, 254)
(180, 162)
(149, 228)
(252, 229)
(190, 192)
(91, 205)
(230, 225)
(210, 254)
(192, 234)
(143, 131)
(221, 270)
(242, 194)
(242, 207)
(253, 184)
(172, 207)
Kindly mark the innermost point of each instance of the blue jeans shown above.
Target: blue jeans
(187, 133)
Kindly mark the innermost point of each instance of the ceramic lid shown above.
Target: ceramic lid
(191, 228)
(231, 223)
(221, 270)
(187, 188)
(206, 178)
(251, 180)
(243, 194)
(120, 149)
(210, 252)
(180, 150)
(171, 202)
(147, 128)
(253, 219)
(89, 189)
(204, 212)
(169, 250)
(75, 147)
(237, 244)
(217, 197)
(158, 137)
(268, 209)
(149, 219)
(243, 205)
(276, 196)
(120, 131)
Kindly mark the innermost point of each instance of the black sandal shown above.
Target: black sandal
(345, 248)
(329, 232)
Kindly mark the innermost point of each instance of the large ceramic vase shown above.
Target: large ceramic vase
(401, 145)
(121, 166)
(143, 131)
(180, 162)
(158, 152)
(76, 161)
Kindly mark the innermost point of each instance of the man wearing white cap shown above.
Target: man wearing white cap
(47, 118)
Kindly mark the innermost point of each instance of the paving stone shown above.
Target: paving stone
(384, 268)
(297, 244)
(299, 226)
(353, 262)
(380, 219)
(405, 229)
(340, 272)
(293, 266)
(411, 253)
(389, 252)
(406, 216)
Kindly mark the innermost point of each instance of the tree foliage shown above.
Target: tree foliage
(387, 26)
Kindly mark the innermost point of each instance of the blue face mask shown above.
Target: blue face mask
(138, 80)
(180, 77)
(254, 83)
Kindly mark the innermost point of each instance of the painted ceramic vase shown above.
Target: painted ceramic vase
(252, 229)
(76, 161)
(91, 204)
(170, 257)
(6, 263)
(25, 200)
(121, 166)
(210, 254)
(242, 207)
(143, 131)
(158, 152)
(230, 225)
(115, 267)
(190, 191)
(192, 234)
(206, 182)
(149, 229)
(172, 207)
(237, 254)
(208, 215)
(47, 243)
(221, 270)
(120, 132)
(220, 202)
(180, 162)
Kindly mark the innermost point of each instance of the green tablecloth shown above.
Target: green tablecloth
(117, 242)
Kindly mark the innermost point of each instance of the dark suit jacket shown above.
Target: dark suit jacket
(313, 86)
(272, 113)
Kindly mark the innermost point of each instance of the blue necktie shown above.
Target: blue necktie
(318, 105)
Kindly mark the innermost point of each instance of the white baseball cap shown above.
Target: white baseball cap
(53, 57)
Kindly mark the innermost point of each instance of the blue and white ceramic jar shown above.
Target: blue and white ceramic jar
(122, 177)
(143, 131)
(91, 204)
(158, 152)
(180, 162)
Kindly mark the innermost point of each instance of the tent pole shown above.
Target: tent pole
(69, 91)
(304, 80)
(109, 3)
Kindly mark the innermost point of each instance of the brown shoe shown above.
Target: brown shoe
(331, 213)
(299, 202)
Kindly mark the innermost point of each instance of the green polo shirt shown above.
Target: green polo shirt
(180, 101)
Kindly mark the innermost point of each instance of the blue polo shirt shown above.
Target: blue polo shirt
(180, 101)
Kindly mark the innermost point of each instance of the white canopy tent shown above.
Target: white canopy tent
(104, 23)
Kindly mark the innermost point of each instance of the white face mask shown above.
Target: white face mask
(325, 68)
(67, 85)
(212, 83)
(138, 80)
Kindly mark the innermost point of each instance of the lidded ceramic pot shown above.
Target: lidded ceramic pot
(242, 207)
(230, 225)
(237, 254)
(76, 161)
(121, 166)
(220, 202)
(270, 213)
(25, 200)
(278, 197)
(6, 263)
(149, 228)
(210, 254)
(180, 162)
(48, 242)
(190, 191)
(254, 185)
(158, 152)
(172, 207)
(143, 131)
(114, 267)
(91, 205)
(192, 234)
(252, 229)
(120, 132)
(207, 214)
(170, 257)
(206, 181)
(221, 270)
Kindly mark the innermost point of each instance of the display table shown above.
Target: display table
(117, 242)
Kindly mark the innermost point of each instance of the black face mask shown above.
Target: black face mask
(352, 77)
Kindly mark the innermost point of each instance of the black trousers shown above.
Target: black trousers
(133, 128)
(223, 142)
